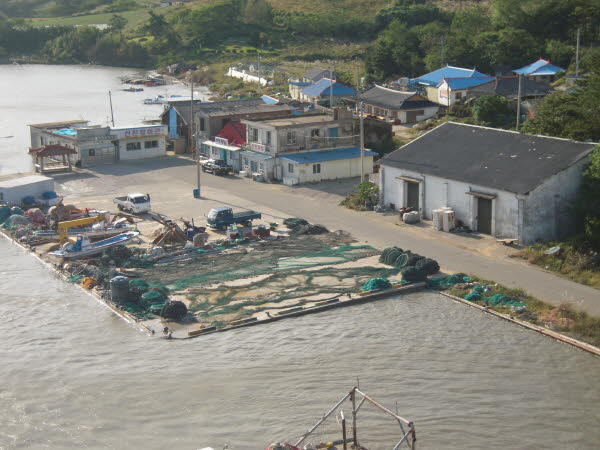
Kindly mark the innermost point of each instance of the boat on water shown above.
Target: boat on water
(83, 247)
(162, 100)
(133, 89)
(92, 232)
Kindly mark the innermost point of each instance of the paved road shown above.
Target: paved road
(170, 181)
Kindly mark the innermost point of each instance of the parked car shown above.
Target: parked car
(135, 203)
(216, 167)
(221, 218)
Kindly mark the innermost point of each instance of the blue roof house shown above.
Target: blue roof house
(330, 164)
(433, 78)
(541, 70)
(450, 90)
(325, 90)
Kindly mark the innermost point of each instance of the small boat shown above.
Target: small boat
(94, 232)
(133, 89)
(83, 247)
(160, 100)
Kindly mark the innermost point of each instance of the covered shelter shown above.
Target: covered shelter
(52, 158)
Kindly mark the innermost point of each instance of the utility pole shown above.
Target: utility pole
(362, 144)
(259, 83)
(577, 54)
(192, 134)
(112, 115)
(442, 42)
(519, 103)
(331, 88)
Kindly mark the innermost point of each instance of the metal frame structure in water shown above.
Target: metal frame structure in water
(407, 428)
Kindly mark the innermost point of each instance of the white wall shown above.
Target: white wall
(12, 191)
(330, 170)
(428, 112)
(436, 192)
(151, 133)
(546, 213)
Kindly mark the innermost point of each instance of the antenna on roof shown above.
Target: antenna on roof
(111, 108)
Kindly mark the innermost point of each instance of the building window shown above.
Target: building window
(92, 152)
(261, 166)
(290, 168)
(458, 95)
(268, 137)
(253, 166)
(291, 137)
(253, 134)
(150, 144)
(315, 132)
(245, 162)
(316, 168)
(201, 124)
(134, 146)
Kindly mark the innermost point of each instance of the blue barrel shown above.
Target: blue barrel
(196, 193)
(119, 289)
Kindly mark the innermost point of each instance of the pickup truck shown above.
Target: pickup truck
(134, 203)
(221, 218)
(216, 167)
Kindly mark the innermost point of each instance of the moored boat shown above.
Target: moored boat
(84, 247)
(94, 232)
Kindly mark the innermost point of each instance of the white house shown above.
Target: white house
(141, 141)
(498, 182)
(315, 166)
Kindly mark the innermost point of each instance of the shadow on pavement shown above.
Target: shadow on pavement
(342, 187)
(123, 168)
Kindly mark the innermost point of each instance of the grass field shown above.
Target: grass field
(134, 18)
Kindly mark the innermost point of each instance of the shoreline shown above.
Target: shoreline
(293, 312)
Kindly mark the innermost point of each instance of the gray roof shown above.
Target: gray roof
(315, 74)
(231, 107)
(509, 87)
(391, 99)
(498, 159)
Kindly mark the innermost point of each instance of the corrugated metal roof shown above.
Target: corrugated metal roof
(540, 67)
(464, 83)
(321, 88)
(326, 155)
(433, 78)
(256, 155)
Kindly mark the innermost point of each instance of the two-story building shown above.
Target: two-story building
(309, 139)
(211, 117)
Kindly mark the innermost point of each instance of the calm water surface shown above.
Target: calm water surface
(72, 375)
(39, 94)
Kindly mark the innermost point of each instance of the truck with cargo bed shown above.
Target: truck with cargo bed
(135, 203)
(221, 218)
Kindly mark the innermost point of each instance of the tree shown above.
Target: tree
(574, 115)
(117, 24)
(589, 199)
(490, 109)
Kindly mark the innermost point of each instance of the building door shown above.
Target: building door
(484, 215)
(412, 195)
(411, 116)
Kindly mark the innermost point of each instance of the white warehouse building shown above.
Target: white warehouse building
(498, 182)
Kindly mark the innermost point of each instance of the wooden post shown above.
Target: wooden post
(355, 440)
(344, 441)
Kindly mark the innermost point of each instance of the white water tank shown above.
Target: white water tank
(438, 219)
(411, 217)
(449, 220)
